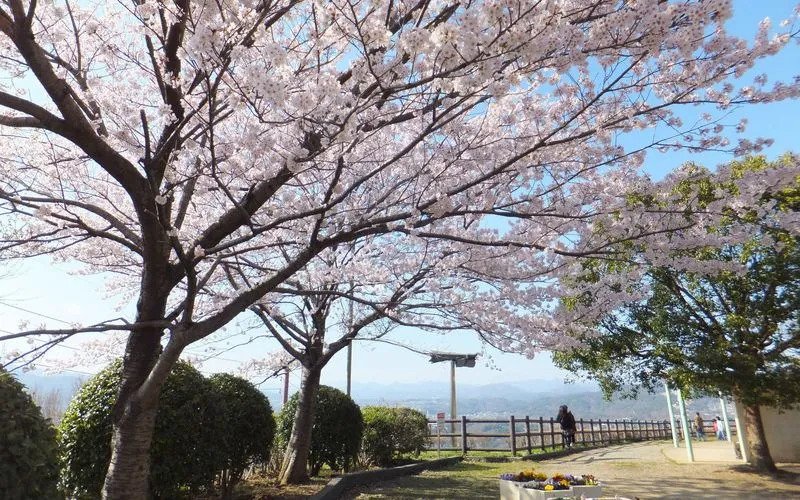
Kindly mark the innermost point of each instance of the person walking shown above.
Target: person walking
(567, 421)
(698, 427)
(719, 429)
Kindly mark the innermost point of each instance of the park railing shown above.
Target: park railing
(529, 435)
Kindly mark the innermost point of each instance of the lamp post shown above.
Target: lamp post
(456, 360)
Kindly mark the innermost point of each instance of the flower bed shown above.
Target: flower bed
(532, 485)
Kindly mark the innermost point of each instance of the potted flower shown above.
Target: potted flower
(585, 486)
(532, 485)
(510, 483)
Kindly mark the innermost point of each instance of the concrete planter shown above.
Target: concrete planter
(509, 490)
(513, 490)
(593, 491)
(531, 494)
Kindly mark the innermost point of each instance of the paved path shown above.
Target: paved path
(659, 470)
(647, 470)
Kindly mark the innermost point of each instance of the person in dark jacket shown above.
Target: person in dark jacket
(567, 421)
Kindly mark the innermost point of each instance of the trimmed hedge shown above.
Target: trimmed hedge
(391, 432)
(28, 456)
(248, 429)
(336, 433)
(184, 448)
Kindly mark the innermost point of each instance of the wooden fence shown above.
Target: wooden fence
(527, 434)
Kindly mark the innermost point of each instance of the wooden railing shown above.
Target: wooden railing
(526, 435)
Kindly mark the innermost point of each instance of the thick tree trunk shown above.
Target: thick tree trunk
(134, 420)
(134, 413)
(295, 462)
(758, 450)
(129, 470)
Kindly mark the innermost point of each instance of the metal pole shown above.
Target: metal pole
(685, 426)
(350, 347)
(349, 364)
(671, 416)
(725, 418)
(286, 386)
(453, 409)
(740, 433)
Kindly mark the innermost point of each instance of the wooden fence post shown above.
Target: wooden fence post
(464, 434)
(513, 431)
(541, 432)
(528, 433)
(616, 431)
(591, 430)
(552, 434)
(583, 434)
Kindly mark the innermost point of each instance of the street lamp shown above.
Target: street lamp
(460, 360)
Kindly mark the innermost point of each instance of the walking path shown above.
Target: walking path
(659, 470)
(644, 470)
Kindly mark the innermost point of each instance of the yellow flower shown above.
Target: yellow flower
(549, 487)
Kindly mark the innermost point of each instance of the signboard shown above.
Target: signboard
(440, 420)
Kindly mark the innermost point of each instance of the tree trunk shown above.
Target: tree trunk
(129, 470)
(758, 450)
(295, 462)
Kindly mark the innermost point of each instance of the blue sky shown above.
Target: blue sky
(46, 288)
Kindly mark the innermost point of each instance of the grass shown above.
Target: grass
(466, 480)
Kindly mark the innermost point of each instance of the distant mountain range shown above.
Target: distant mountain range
(521, 389)
(535, 398)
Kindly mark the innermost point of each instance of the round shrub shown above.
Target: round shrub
(378, 446)
(28, 457)
(183, 451)
(412, 432)
(248, 428)
(390, 432)
(336, 432)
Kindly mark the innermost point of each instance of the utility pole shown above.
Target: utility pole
(286, 386)
(350, 344)
(349, 365)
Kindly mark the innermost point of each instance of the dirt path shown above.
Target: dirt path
(641, 470)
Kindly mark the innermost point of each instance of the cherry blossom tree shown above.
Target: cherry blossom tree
(413, 283)
(161, 143)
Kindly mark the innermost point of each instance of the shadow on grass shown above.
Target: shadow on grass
(781, 476)
(431, 487)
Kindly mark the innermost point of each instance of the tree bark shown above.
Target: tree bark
(295, 462)
(129, 470)
(758, 450)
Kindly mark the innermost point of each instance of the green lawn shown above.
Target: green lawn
(466, 480)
